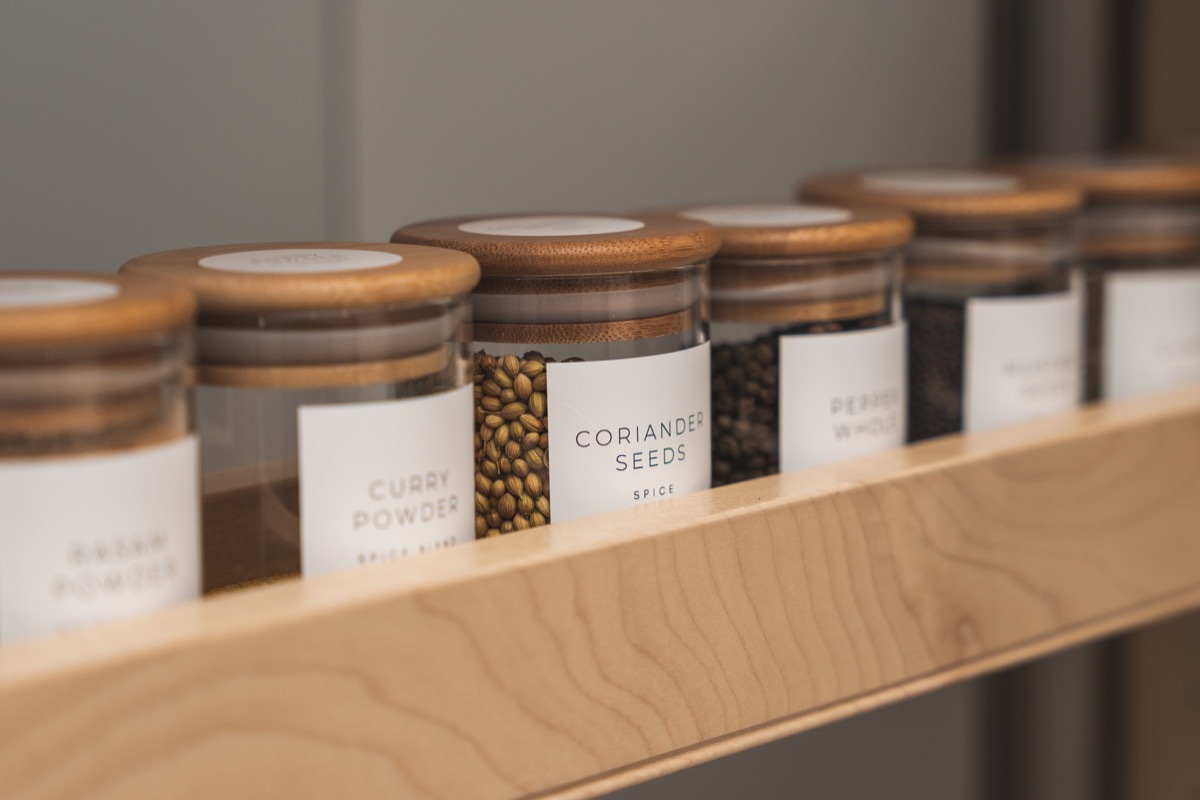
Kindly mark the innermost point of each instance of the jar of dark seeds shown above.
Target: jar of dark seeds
(591, 362)
(994, 315)
(808, 362)
(1141, 256)
(333, 399)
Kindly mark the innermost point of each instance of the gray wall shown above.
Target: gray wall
(466, 108)
(928, 748)
(131, 126)
(136, 126)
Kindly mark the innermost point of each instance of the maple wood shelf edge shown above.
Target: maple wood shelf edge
(596, 653)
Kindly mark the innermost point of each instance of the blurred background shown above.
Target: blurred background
(131, 126)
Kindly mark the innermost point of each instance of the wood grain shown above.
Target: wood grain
(865, 230)
(1030, 199)
(423, 275)
(1160, 711)
(621, 330)
(140, 310)
(587, 655)
(1166, 107)
(663, 242)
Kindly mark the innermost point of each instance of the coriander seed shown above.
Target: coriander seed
(590, 332)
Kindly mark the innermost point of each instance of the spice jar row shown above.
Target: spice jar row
(336, 383)
(334, 391)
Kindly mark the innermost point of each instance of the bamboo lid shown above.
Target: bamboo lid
(568, 245)
(946, 194)
(62, 308)
(1107, 179)
(311, 276)
(789, 230)
(803, 311)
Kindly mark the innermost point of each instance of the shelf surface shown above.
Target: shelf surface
(576, 659)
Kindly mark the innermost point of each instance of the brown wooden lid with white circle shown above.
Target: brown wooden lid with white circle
(568, 245)
(1119, 178)
(311, 276)
(65, 308)
(946, 194)
(797, 230)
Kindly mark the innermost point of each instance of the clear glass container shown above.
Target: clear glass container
(333, 403)
(994, 313)
(591, 354)
(98, 464)
(1141, 256)
(808, 336)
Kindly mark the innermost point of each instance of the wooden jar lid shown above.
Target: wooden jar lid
(794, 230)
(311, 276)
(568, 245)
(1115, 179)
(63, 308)
(947, 195)
(797, 312)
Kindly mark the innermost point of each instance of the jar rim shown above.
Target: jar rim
(311, 276)
(799, 230)
(569, 244)
(939, 194)
(1118, 178)
(53, 309)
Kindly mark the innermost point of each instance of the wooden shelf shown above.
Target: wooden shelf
(593, 654)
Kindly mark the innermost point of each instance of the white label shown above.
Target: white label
(300, 261)
(97, 537)
(1022, 359)
(380, 481)
(841, 395)
(36, 292)
(551, 226)
(769, 215)
(627, 431)
(1151, 331)
(940, 181)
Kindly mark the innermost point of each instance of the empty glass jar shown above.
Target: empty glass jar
(333, 400)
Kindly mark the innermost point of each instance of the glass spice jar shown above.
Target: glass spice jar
(994, 313)
(1141, 258)
(808, 363)
(591, 361)
(333, 399)
(98, 463)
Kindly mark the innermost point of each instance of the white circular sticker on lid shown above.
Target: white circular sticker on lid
(564, 225)
(941, 181)
(300, 260)
(37, 292)
(769, 215)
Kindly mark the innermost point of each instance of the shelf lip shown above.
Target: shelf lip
(634, 774)
(600, 651)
